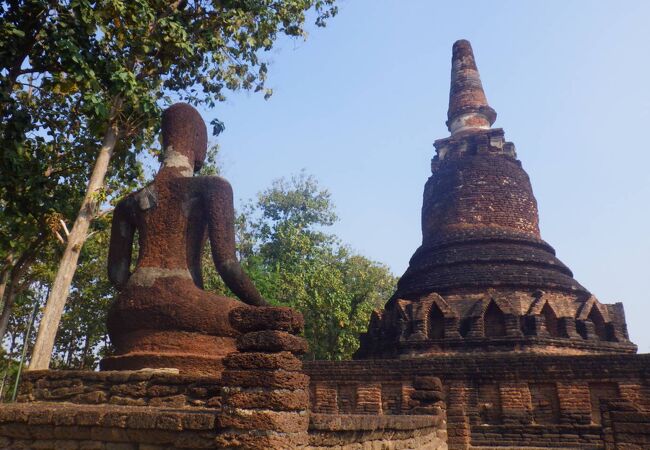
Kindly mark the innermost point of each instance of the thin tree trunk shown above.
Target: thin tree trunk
(12, 287)
(6, 310)
(4, 278)
(67, 359)
(84, 353)
(42, 352)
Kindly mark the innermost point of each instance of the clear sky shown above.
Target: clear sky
(360, 103)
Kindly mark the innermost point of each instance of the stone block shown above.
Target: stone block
(261, 441)
(169, 421)
(247, 419)
(261, 378)
(127, 401)
(192, 441)
(277, 399)
(91, 398)
(162, 390)
(428, 396)
(427, 383)
(263, 361)
(89, 417)
(196, 421)
(271, 341)
(267, 318)
(171, 401)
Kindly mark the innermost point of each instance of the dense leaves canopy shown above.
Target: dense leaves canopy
(70, 70)
(294, 262)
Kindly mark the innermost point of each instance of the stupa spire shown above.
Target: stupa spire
(468, 106)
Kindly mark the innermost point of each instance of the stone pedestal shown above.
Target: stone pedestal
(265, 393)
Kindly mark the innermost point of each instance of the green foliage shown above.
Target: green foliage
(284, 248)
(294, 262)
(68, 68)
(81, 339)
(71, 70)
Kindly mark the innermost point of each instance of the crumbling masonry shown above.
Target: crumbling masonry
(488, 343)
(529, 358)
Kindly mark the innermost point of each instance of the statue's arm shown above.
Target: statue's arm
(121, 245)
(221, 232)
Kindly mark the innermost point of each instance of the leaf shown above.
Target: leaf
(218, 127)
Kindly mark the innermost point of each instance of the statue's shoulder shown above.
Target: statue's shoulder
(127, 201)
(142, 199)
(212, 182)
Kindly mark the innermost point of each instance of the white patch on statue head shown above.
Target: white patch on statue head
(176, 159)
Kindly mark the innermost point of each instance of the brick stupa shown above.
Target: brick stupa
(483, 278)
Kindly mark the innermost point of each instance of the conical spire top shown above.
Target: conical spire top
(468, 107)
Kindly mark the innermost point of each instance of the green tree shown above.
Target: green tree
(284, 245)
(103, 69)
(294, 262)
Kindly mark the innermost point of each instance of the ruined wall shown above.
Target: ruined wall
(127, 388)
(625, 426)
(93, 427)
(261, 401)
(499, 401)
(350, 432)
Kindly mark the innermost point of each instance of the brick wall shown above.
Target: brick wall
(353, 432)
(128, 388)
(506, 400)
(625, 426)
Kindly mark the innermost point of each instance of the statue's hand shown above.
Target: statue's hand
(239, 282)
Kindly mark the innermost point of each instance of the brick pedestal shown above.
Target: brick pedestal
(265, 394)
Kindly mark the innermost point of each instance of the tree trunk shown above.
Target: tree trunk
(42, 352)
(6, 310)
(84, 353)
(12, 288)
(70, 350)
(4, 278)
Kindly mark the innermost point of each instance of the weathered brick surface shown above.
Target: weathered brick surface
(268, 318)
(128, 388)
(265, 397)
(263, 361)
(325, 397)
(277, 400)
(63, 426)
(575, 402)
(514, 400)
(267, 420)
(483, 279)
(369, 399)
(271, 341)
(272, 379)
(351, 432)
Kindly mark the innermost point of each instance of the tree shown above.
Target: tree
(106, 67)
(81, 338)
(295, 263)
(284, 245)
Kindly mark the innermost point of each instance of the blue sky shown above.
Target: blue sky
(359, 103)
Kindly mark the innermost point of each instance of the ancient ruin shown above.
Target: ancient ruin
(528, 357)
(483, 278)
(488, 343)
(162, 317)
(193, 369)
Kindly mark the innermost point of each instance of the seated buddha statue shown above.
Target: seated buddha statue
(162, 317)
